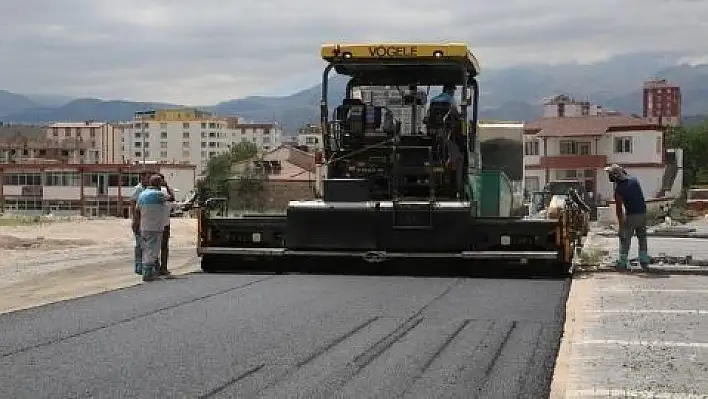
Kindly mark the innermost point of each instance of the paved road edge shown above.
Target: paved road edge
(578, 296)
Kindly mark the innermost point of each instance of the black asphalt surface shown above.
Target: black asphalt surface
(290, 336)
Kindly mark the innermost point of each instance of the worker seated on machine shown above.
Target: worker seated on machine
(443, 121)
(443, 107)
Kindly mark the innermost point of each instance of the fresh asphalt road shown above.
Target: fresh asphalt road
(290, 336)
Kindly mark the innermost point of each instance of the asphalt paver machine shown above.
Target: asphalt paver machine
(393, 192)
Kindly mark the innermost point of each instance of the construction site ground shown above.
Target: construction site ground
(637, 334)
(63, 259)
(625, 335)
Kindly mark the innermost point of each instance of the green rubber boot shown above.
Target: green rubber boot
(644, 260)
(148, 272)
(622, 262)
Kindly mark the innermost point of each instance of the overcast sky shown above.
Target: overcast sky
(205, 51)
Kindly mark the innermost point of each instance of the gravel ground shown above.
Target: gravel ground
(290, 336)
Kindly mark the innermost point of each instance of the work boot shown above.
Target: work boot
(148, 273)
(644, 260)
(622, 263)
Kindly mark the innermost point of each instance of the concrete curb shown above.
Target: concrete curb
(665, 271)
(579, 293)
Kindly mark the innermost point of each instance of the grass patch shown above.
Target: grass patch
(18, 220)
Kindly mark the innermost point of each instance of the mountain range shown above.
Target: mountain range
(506, 94)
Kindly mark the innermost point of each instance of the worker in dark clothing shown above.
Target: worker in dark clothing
(450, 141)
(629, 195)
(447, 96)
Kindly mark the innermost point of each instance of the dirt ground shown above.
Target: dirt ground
(29, 250)
(63, 259)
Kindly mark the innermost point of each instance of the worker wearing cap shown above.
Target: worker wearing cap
(629, 195)
(447, 96)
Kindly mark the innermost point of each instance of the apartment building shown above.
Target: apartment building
(580, 147)
(104, 142)
(310, 137)
(190, 136)
(59, 188)
(23, 149)
(662, 102)
(564, 106)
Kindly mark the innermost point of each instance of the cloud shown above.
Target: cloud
(206, 51)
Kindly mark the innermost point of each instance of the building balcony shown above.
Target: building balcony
(574, 162)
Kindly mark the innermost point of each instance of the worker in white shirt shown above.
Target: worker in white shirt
(165, 247)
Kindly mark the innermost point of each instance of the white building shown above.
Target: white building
(102, 141)
(191, 136)
(563, 106)
(580, 147)
(62, 188)
(310, 136)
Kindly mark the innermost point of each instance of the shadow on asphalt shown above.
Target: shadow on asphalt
(433, 269)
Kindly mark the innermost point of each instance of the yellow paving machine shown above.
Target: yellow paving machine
(394, 190)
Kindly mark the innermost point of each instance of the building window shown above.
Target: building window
(204, 125)
(138, 154)
(163, 145)
(568, 148)
(23, 179)
(212, 134)
(530, 147)
(185, 135)
(203, 144)
(163, 154)
(584, 148)
(567, 174)
(532, 183)
(658, 145)
(185, 144)
(185, 125)
(623, 145)
(137, 144)
(163, 135)
(163, 125)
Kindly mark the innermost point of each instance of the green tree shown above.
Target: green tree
(693, 140)
(219, 168)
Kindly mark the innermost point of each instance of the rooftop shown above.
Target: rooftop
(78, 124)
(593, 125)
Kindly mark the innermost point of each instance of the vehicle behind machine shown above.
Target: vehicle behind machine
(390, 193)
